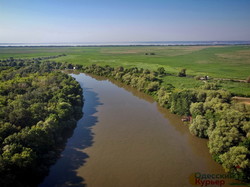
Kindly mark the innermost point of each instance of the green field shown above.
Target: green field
(229, 62)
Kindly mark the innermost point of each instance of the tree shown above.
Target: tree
(64, 110)
(70, 66)
(23, 159)
(161, 71)
(201, 96)
(210, 86)
(141, 83)
(236, 161)
(163, 96)
(223, 137)
(134, 81)
(119, 69)
(182, 73)
(126, 78)
(181, 101)
(20, 117)
(6, 129)
(196, 109)
(199, 126)
(38, 111)
(153, 86)
(146, 71)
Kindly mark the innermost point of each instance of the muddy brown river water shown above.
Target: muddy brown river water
(126, 140)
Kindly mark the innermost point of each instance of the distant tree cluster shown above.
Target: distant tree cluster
(32, 65)
(12, 59)
(37, 109)
(150, 54)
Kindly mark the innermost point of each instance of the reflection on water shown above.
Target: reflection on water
(63, 173)
(125, 139)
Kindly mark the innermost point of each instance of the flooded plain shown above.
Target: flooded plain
(126, 140)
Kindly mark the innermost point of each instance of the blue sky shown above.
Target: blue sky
(34, 21)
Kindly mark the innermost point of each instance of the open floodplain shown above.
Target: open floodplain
(226, 65)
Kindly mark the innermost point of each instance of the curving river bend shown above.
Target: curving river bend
(126, 140)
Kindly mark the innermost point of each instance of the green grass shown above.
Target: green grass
(239, 89)
(224, 62)
(182, 82)
(232, 62)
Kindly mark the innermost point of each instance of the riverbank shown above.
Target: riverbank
(126, 139)
(211, 110)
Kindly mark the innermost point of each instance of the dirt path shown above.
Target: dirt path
(235, 80)
(245, 100)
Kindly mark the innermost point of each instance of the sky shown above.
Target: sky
(55, 21)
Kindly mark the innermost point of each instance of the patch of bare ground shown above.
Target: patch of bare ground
(245, 100)
(201, 61)
(234, 80)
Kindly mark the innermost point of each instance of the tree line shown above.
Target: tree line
(38, 109)
(214, 114)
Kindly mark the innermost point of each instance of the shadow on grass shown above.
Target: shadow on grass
(63, 173)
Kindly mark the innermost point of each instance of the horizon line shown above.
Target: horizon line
(160, 41)
(141, 43)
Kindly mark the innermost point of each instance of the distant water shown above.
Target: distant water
(156, 43)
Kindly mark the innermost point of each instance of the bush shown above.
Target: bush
(199, 127)
(153, 86)
(182, 73)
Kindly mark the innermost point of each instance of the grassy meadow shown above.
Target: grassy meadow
(225, 62)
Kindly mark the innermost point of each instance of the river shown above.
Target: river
(126, 140)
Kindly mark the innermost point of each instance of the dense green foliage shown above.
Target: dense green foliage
(214, 115)
(38, 109)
